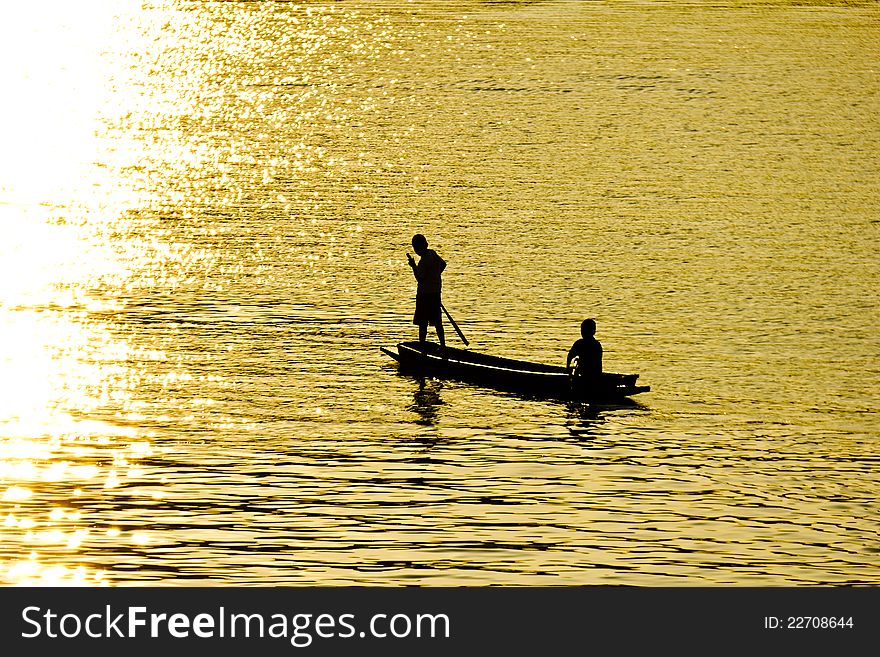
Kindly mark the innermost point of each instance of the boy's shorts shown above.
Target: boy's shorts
(427, 309)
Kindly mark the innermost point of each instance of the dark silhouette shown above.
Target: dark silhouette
(428, 274)
(585, 356)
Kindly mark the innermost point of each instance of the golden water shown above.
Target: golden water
(205, 211)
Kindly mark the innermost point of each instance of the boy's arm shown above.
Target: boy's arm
(412, 264)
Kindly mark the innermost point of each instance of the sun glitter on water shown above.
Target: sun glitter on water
(58, 365)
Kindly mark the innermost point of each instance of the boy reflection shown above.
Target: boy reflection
(427, 401)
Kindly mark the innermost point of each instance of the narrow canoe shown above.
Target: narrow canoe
(520, 376)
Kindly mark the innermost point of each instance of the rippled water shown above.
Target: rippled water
(205, 211)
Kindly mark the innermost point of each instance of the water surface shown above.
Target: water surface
(205, 211)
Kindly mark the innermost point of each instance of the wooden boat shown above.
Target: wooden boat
(534, 379)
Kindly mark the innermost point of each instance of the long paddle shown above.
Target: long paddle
(455, 326)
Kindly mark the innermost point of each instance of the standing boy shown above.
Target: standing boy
(427, 273)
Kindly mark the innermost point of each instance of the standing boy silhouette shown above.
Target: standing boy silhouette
(428, 274)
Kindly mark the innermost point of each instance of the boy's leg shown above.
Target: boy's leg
(423, 332)
(441, 335)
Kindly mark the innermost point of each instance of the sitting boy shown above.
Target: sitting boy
(585, 356)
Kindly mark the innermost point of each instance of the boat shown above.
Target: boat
(532, 379)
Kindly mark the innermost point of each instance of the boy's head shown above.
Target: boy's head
(419, 243)
(588, 328)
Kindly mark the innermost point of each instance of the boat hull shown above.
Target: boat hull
(534, 379)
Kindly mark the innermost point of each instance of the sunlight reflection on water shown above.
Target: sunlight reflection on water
(205, 209)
